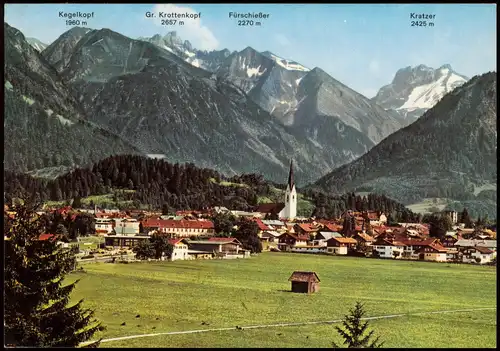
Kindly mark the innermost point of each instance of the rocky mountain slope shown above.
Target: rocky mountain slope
(208, 60)
(163, 105)
(59, 51)
(414, 90)
(303, 98)
(297, 96)
(449, 152)
(37, 44)
(44, 125)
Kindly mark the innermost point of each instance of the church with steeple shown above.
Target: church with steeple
(290, 209)
(284, 210)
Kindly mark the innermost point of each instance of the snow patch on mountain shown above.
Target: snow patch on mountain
(167, 48)
(64, 121)
(252, 72)
(158, 156)
(287, 64)
(36, 44)
(427, 95)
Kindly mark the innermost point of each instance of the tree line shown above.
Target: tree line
(160, 184)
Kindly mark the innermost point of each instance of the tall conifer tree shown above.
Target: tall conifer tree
(37, 308)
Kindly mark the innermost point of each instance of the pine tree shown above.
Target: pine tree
(160, 245)
(35, 301)
(465, 218)
(354, 329)
(77, 202)
(439, 225)
(247, 234)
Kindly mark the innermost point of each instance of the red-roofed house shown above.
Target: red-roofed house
(331, 227)
(287, 240)
(433, 252)
(63, 210)
(226, 240)
(271, 209)
(47, 237)
(412, 247)
(306, 229)
(262, 226)
(182, 228)
(364, 239)
(339, 245)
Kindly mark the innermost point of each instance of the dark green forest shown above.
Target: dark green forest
(157, 183)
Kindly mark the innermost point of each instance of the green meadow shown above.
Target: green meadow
(205, 294)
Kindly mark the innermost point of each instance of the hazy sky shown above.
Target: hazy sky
(361, 45)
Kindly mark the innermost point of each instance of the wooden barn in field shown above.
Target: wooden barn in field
(304, 282)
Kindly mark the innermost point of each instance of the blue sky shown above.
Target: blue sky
(361, 45)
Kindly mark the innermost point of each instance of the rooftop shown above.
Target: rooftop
(299, 276)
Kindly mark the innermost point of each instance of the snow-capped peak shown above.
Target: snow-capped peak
(415, 90)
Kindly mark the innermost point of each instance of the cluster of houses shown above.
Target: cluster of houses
(407, 241)
(192, 233)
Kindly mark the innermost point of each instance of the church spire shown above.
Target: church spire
(291, 181)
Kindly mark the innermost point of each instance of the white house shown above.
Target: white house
(433, 252)
(337, 250)
(478, 254)
(382, 219)
(104, 225)
(270, 236)
(387, 249)
(490, 244)
(322, 237)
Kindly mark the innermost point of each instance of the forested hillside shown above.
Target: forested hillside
(155, 183)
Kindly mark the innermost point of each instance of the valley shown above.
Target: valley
(250, 175)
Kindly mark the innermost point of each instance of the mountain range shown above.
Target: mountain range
(449, 152)
(44, 124)
(160, 104)
(99, 92)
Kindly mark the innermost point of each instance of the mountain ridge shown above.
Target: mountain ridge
(106, 70)
(448, 152)
(41, 117)
(414, 90)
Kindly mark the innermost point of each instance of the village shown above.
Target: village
(192, 234)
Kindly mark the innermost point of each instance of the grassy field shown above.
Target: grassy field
(428, 204)
(224, 183)
(89, 242)
(105, 200)
(177, 296)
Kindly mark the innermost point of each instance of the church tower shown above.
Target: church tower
(290, 210)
